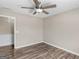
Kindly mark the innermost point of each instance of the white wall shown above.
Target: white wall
(63, 30)
(30, 29)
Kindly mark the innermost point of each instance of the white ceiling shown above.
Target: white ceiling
(62, 6)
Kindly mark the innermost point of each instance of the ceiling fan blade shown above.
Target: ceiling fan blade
(45, 12)
(27, 7)
(37, 3)
(51, 6)
(34, 13)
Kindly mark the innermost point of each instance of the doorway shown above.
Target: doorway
(6, 37)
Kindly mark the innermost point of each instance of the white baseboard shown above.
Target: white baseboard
(27, 45)
(62, 48)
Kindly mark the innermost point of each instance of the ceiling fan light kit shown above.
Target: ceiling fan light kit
(38, 7)
(39, 10)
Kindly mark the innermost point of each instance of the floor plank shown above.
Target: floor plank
(43, 51)
(7, 52)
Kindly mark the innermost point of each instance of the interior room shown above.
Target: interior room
(39, 29)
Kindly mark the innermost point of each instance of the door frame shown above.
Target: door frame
(13, 18)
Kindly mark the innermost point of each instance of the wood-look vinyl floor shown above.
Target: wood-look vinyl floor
(43, 51)
(7, 52)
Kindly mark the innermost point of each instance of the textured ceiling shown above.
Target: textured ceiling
(62, 6)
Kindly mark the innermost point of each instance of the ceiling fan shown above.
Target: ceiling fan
(39, 8)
